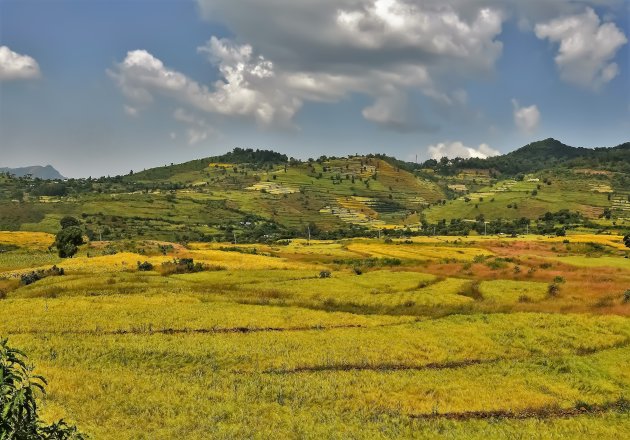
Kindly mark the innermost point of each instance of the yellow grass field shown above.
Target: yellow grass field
(433, 337)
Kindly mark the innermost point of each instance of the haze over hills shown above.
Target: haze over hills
(262, 194)
(37, 171)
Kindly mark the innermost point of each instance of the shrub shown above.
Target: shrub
(110, 250)
(524, 299)
(30, 278)
(471, 290)
(185, 265)
(34, 276)
(145, 267)
(558, 280)
(325, 274)
(626, 297)
(553, 290)
(496, 264)
(358, 270)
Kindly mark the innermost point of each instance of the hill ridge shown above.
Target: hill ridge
(46, 172)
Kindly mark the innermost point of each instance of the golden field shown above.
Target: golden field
(423, 338)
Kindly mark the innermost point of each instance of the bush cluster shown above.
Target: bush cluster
(145, 267)
(36, 275)
(186, 265)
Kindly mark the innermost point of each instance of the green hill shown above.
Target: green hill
(537, 178)
(258, 195)
(237, 156)
(541, 155)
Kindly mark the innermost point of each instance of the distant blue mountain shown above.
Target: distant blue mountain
(37, 171)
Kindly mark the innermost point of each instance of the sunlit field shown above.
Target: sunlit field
(431, 337)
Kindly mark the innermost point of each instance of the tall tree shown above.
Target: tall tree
(69, 238)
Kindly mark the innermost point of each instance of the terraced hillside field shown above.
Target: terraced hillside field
(532, 196)
(198, 198)
(263, 196)
(479, 337)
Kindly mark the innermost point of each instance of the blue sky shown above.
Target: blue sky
(101, 87)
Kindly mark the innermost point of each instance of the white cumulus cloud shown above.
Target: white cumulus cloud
(248, 86)
(526, 119)
(285, 53)
(587, 47)
(458, 149)
(382, 49)
(15, 66)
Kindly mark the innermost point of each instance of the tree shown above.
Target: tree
(19, 419)
(68, 221)
(51, 189)
(312, 229)
(626, 240)
(68, 241)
